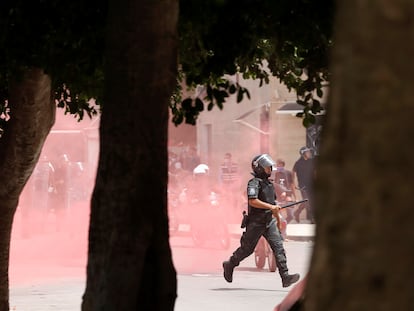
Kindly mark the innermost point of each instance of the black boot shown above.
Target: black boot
(228, 267)
(289, 279)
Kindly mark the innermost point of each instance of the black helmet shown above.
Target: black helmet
(303, 150)
(259, 163)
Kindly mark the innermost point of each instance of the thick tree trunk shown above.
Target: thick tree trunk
(32, 117)
(129, 258)
(363, 253)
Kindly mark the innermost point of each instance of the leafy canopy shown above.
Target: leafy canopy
(225, 37)
(65, 39)
(217, 39)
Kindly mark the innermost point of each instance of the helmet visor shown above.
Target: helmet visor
(265, 160)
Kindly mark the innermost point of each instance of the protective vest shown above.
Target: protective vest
(263, 190)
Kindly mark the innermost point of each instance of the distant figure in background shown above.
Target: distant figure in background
(172, 159)
(43, 183)
(205, 211)
(230, 182)
(201, 186)
(38, 188)
(285, 187)
(60, 193)
(174, 170)
(178, 178)
(190, 159)
(304, 171)
(228, 170)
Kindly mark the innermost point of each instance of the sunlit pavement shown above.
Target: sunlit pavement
(52, 283)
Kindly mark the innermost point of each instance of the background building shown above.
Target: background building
(266, 122)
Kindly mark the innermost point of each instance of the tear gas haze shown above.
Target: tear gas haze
(206, 198)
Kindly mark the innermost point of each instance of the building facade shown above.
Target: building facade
(265, 123)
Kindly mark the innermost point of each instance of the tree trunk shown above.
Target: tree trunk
(363, 249)
(32, 117)
(129, 258)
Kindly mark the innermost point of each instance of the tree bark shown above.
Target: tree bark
(32, 117)
(363, 247)
(129, 258)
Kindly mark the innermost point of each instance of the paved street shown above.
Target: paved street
(57, 282)
(252, 289)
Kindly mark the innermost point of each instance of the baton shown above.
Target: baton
(293, 203)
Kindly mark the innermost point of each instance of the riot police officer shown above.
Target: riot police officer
(263, 220)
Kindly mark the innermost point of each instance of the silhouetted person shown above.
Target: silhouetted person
(60, 194)
(190, 159)
(304, 172)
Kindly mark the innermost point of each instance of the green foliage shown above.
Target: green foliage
(65, 39)
(289, 39)
(223, 37)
